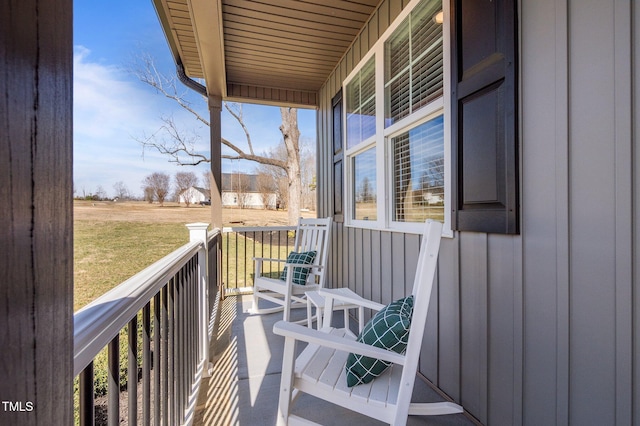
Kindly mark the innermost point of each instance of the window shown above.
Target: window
(418, 173)
(396, 155)
(365, 188)
(361, 106)
(414, 63)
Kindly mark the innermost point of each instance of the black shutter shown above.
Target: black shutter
(338, 156)
(484, 116)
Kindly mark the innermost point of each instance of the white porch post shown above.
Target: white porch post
(198, 233)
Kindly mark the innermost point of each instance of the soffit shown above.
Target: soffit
(241, 47)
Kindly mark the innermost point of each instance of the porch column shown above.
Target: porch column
(215, 108)
(36, 222)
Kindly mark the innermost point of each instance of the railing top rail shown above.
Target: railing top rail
(228, 229)
(96, 324)
(213, 233)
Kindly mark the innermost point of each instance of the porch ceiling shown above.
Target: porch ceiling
(268, 51)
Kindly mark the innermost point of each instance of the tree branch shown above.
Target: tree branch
(177, 147)
(251, 157)
(146, 71)
(240, 119)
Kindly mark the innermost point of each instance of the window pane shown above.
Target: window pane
(414, 63)
(361, 105)
(418, 173)
(364, 173)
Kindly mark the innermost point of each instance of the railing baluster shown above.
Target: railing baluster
(271, 253)
(253, 263)
(194, 309)
(179, 315)
(279, 249)
(157, 337)
(171, 355)
(236, 284)
(132, 381)
(146, 364)
(227, 283)
(87, 410)
(113, 411)
(165, 355)
(246, 240)
(177, 347)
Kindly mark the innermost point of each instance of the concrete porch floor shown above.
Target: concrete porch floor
(244, 387)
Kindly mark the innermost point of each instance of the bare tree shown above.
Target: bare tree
(159, 184)
(170, 141)
(101, 194)
(308, 174)
(184, 181)
(206, 180)
(241, 185)
(122, 192)
(266, 188)
(148, 193)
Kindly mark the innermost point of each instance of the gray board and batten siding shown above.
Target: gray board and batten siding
(537, 328)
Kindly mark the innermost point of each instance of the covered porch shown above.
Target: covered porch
(533, 323)
(244, 385)
(181, 334)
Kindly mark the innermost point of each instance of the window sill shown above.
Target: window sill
(405, 228)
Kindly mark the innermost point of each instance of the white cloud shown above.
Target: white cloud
(111, 109)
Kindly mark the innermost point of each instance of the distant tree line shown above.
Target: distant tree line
(156, 187)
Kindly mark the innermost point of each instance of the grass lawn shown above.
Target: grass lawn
(114, 241)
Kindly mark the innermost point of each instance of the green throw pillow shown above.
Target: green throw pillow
(388, 329)
(299, 274)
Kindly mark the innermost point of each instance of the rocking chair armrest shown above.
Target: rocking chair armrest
(351, 298)
(328, 340)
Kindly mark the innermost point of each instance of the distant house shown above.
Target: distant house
(194, 195)
(242, 190)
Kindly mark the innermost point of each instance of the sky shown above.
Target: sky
(113, 109)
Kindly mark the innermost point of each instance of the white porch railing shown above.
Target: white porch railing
(241, 244)
(181, 290)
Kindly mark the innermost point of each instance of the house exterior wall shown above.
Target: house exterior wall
(253, 200)
(192, 195)
(536, 328)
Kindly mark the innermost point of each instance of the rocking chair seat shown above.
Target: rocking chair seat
(320, 371)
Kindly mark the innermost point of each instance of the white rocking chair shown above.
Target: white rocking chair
(320, 369)
(311, 235)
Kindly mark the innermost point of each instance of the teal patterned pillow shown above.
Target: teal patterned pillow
(299, 274)
(388, 329)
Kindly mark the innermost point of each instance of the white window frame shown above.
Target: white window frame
(382, 138)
